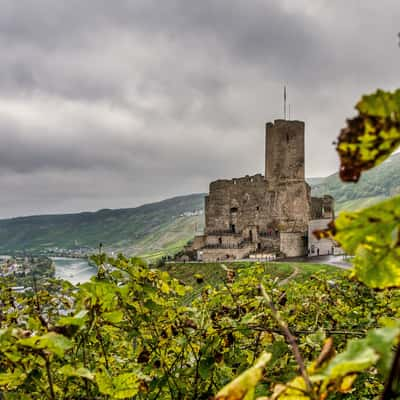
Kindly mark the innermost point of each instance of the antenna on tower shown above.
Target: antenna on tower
(284, 102)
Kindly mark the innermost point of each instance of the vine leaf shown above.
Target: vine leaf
(373, 237)
(118, 387)
(242, 388)
(52, 342)
(11, 380)
(69, 370)
(369, 138)
(340, 372)
(374, 350)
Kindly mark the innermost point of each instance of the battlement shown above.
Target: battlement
(245, 180)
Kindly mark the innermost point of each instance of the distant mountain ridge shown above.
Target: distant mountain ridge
(126, 229)
(164, 227)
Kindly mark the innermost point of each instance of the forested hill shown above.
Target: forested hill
(374, 185)
(164, 227)
(143, 229)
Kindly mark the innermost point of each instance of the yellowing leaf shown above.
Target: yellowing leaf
(118, 387)
(242, 388)
(370, 137)
(69, 370)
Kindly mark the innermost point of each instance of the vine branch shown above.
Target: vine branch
(291, 339)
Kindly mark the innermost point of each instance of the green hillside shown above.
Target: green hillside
(373, 186)
(150, 228)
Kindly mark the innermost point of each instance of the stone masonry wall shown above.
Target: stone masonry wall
(292, 244)
(210, 255)
(233, 205)
(284, 151)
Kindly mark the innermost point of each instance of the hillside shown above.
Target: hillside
(373, 186)
(159, 228)
(149, 228)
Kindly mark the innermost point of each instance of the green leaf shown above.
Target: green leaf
(114, 316)
(11, 380)
(119, 387)
(52, 342)
(372, 235)
(356, 358)
(374, 350)
(69, 370)
(205, 367)
(77, 320)
(382, 340)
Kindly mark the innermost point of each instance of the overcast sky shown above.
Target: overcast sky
(108, 104)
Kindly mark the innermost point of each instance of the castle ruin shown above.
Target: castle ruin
(268, 214)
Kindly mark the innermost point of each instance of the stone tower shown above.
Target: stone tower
(284, 151)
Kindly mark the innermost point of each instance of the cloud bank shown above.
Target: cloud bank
(113, 104)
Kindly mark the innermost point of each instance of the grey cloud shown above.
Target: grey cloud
(157, 98)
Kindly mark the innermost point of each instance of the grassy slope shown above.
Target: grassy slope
(214, 275)
(213, 272)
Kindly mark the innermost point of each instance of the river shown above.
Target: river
(75, 270)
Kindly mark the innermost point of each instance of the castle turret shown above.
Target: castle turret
(284, 151)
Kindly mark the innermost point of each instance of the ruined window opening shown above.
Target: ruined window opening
(220, 240)
(287, 138)
(251, 235)
(233, 228)
(258, 208)
(234, 210)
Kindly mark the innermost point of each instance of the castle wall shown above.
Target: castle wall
(251, 204)
(233, 205)
(289, 206)
(198, 242)
(292, 244)
(219, 254)
(224, 240)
